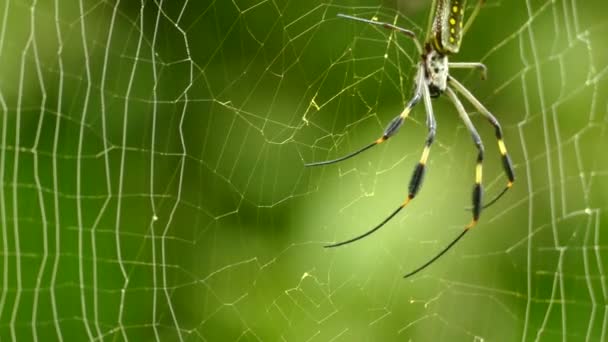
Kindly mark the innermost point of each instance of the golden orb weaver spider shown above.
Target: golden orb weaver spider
(432, 79)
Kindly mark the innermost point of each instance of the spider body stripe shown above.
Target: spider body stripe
(447, 26)
(432, 80)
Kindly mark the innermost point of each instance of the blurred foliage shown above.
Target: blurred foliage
(153, 185)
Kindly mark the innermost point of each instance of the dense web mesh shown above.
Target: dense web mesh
(153, 185)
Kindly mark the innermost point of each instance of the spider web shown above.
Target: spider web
(153, 185)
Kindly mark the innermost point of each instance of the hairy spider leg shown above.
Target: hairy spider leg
(506, 160)
(466, 65)
(477, 188)
(419, 171)
(391, 129)
(439, 255)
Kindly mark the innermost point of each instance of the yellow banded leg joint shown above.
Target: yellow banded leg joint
(425, 155)
(478, 173)
(502, 147)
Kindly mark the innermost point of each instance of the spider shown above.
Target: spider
(433, 79)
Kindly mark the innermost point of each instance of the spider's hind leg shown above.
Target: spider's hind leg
(419, 171)
(477, 188)
(506, 160)
(413, 188)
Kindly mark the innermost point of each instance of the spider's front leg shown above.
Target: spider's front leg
(408, 33)
(471, 65)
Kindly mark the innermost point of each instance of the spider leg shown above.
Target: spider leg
(371, 231)
(408, 33)
(477, 188)
(391, 129)
(429, 25)
(480, 66)
(418, 174)
(474, 14)
(428, 263)
(506, 160)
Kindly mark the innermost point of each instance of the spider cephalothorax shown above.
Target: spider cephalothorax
(435, 70)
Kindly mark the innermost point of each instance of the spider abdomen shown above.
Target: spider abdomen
(448, 25)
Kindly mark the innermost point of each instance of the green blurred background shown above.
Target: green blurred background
(153, 186)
